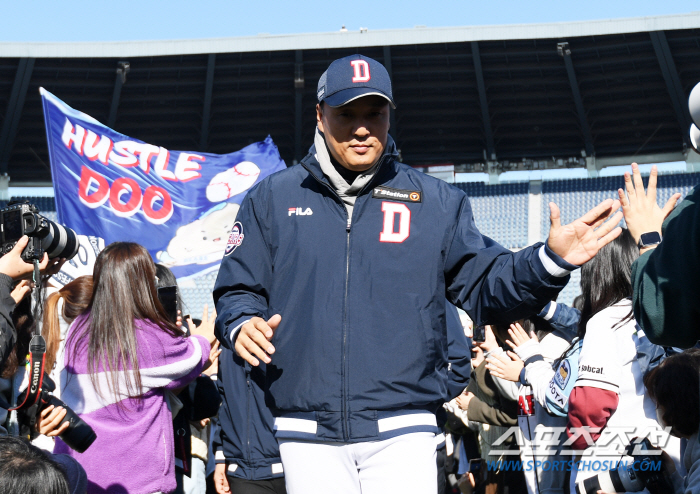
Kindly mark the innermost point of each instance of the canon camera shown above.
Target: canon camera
(22, 218)
(78, 436)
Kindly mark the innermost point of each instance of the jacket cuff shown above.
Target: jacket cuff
(234, 332)
(553, 264)
(219, 457)
(522, 379)
(528, 349)
(549, 311)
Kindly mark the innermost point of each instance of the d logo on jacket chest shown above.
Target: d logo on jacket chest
(390, 233)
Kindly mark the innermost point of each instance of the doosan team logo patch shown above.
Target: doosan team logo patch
(397, 194)
(235, 238)
(561, 377)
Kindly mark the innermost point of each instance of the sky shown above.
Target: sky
(128, 20)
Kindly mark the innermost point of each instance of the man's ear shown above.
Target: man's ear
(319, 117)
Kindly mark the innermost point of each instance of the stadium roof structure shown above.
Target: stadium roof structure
(491, 98)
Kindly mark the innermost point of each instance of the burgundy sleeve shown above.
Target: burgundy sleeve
(589, 407)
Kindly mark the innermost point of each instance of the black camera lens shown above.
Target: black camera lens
(60, 241)
(621, 479)
(79, 435)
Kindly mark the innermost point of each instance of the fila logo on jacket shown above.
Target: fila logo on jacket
(299, 212)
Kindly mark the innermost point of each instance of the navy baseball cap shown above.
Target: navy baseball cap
(349, 78)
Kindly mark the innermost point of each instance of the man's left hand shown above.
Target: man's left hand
(579, 241)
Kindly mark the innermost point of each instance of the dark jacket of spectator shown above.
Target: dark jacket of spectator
(665, 280)
(488, 405)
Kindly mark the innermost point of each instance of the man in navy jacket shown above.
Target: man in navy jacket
(244, 445)
(335, 275)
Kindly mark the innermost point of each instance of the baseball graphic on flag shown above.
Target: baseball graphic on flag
(233, 181)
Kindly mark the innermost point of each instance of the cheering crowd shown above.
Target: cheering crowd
(336, 360)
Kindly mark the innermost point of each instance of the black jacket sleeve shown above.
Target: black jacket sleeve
(665, 281)
(8, 334)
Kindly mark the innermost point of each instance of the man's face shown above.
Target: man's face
(356, 133)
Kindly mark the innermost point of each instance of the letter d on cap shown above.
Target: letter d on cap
(361, 71)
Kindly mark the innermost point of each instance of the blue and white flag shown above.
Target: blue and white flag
(180, 205)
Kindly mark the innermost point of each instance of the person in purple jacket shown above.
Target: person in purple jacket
(123, 357)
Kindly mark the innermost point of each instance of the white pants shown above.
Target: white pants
(196, 483)
(405, 464)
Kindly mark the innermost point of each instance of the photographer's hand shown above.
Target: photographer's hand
(53, 266)
(21, 290)
(50, 420)
(13, 266)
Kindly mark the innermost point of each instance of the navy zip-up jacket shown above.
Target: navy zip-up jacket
(245, 439)
(561, 317)
(458, 354)
(361, 352)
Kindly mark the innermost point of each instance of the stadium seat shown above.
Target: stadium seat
(500, 212)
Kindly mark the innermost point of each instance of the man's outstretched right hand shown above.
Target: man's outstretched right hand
(254, 338)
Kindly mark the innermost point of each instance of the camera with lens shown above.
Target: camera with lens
(78, 436)
(22, 218)
(647, 471)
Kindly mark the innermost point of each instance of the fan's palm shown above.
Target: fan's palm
(579, 241)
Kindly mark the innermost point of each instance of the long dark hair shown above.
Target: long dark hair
(124, 291)
(607, 278)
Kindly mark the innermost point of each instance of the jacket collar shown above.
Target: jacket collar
(386, 162)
